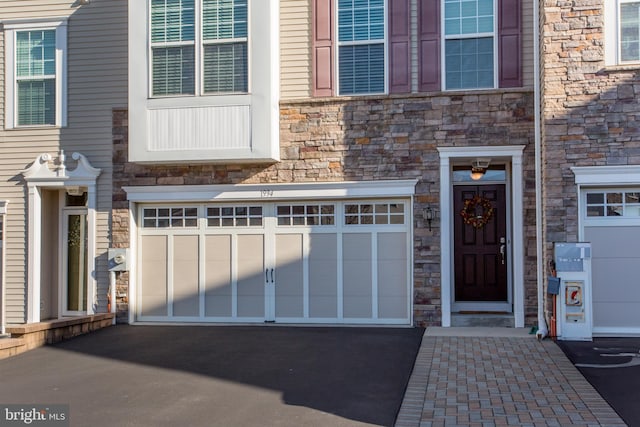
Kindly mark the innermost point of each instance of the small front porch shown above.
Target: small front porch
(32, 335)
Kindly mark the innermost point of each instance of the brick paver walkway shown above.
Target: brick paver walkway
(499, 381)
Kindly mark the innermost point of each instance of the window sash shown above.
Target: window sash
(361, 46)
(629, 31)
(469, 35)
(204, 52)
(469, 63)
(35, 77)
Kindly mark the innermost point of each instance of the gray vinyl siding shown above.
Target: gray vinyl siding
(97, 83)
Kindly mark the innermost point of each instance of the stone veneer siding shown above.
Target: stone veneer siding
(369, 138)
(590, 112)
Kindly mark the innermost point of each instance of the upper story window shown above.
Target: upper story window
(469, 44)
(622, 32)
(36, 73)
(364, 47)
(198, 47)
(361, 46)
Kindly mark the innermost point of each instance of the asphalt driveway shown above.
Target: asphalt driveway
(219, 376)
(612, 366)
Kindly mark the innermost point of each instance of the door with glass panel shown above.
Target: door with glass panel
(74, 262)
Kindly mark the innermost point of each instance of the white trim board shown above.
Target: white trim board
(268, 192)
(449, 156)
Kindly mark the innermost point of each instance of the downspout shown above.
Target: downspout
(542, 323)
(3, 316)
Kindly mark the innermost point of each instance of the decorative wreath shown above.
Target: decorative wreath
(469, 212)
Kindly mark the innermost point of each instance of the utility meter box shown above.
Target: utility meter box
(118, 259)
(574, 305)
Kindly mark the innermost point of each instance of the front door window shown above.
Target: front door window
(75, 282)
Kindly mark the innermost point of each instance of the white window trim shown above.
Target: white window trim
(198, 55)
(385, 42)
(612, 33)
(444, 38)
(603, 178)
(10, 28)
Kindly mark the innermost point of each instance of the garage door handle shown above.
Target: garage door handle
(266, 275)
(272, 275)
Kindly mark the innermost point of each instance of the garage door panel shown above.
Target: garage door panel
(610, 285)
(218, 290)
(613, 242)
(357, 277)
(289, 276)
(392, 275)
(323, 274)
(185, 276)
(308, 262)
(616, 314)
(251, 295)
(153, 298)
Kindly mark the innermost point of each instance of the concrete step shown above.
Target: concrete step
(496, 320)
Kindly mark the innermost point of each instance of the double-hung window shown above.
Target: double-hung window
(36, 74)
(198, 47)
(361, 46)
(469, 44)
(622, 32)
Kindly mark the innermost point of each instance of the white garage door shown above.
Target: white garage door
(612, 225)
(309, 262)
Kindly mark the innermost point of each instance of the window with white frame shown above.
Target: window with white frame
(469, 44)
(36, 73)
(622, 32)
(198, 47)
(361, 46)
(613, 203)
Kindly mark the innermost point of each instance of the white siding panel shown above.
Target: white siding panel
(175, 129)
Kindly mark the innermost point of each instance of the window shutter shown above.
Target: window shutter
(399, 51)
(509, 43)
(322, 48)
(429, 45)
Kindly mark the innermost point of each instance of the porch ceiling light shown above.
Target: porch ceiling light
(478, 168)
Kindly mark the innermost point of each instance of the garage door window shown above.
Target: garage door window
(306, 215)
(170, 217)
(234, 216)
(613, 204)
(374, 213)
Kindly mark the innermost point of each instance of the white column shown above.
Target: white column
(518, 240)
(92, 297)
(445, 241)
(34, 257)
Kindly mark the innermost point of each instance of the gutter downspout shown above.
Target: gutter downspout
(3, 315)
(542, 323)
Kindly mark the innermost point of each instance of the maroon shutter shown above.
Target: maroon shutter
(399, 27)
(429, 45)
(509, 43)
(322, 48)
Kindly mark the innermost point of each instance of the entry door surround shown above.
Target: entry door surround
(512, 157)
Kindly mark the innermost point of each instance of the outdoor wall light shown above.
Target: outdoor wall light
(84, 2)
(428, 215)
(478, 168)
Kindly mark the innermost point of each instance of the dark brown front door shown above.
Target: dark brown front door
(480, 266)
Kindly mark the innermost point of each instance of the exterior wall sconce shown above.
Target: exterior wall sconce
(429, 216)
(84, 2)
(478, 168)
